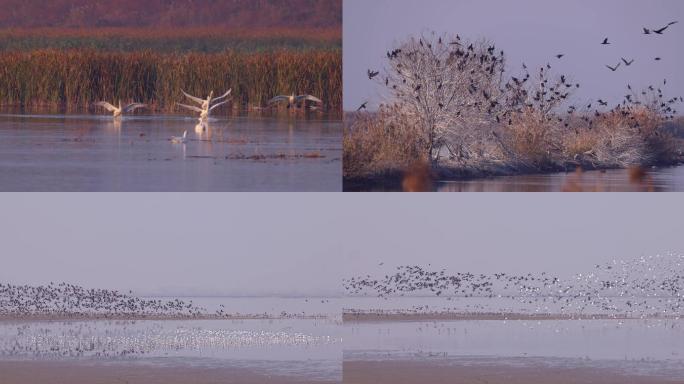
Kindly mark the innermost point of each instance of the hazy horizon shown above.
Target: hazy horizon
(305, 244)
(529, 31)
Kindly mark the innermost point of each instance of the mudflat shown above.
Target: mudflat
(54, 372)
(410, 372)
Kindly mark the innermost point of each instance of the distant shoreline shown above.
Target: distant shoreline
(399, 316)
(98, 317)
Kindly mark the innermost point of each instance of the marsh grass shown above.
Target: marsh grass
(207, 40)
(73, 79)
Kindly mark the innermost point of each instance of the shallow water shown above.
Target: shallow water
(95, 153)
(646, 347)
(616, 180)
(307, 348)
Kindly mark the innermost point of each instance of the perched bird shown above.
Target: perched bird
(118, 111)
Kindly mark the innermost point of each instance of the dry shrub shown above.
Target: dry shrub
(630, 136)
(531, 140)
(381, 142)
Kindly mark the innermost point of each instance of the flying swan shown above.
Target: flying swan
(117, 112)
(295, 100)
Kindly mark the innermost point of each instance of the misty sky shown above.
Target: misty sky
(529, 31)
(304, 244)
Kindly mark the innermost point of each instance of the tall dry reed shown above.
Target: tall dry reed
(74, 79)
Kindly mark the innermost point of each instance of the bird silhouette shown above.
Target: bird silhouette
(627, 63)
(605, 42)
(363, 106)
(615, 68)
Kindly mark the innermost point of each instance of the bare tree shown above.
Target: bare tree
(449, 87)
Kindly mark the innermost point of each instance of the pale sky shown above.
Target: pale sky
(530, 31)
(304, 244)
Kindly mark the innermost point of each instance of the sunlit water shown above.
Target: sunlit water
(94, 153)
(308, 345)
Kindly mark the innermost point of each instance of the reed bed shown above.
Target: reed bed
(73, 79)
(172, 40)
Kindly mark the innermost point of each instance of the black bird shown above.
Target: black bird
(363, 106)
(560, 56)
(372, 74)
(604, 103)
(627, 63)
(661, 30)
(613, 68)
(647, 31)
(658, 59)
(605, 42)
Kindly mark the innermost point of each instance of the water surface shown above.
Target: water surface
(96, 153)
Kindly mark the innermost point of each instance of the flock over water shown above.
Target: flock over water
(649, 286)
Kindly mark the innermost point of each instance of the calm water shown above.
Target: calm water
(618, 180)
(95, 153)
(308, 348)
(639, 347)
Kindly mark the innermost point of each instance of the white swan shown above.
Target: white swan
(180, 139)
(295, 100)
(205, 104)
(117, 112)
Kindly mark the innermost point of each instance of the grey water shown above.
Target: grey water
(283, 152)
(668, 179)
(640, 347)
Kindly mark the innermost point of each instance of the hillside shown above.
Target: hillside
(171, 13)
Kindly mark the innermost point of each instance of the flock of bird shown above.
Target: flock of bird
(546, 94)
(128, 339)
(204, 107)
(71, 300)
(643, 287)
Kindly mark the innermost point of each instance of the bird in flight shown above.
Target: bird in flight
(661, 30)
(605, 42)
(627, 63)
(372, 74)
(363, 106)
(118, 111)
(615, 68)
(647, 31)
(560, 56)
(658, 59)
